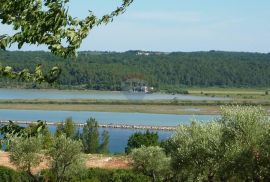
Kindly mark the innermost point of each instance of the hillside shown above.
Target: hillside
(110, 70)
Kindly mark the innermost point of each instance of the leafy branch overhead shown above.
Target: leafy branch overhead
(48, 22)
(37, 76)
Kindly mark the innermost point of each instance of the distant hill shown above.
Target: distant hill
(109, 70)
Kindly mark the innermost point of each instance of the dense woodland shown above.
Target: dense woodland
(110, 70)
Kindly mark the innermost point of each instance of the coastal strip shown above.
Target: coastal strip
(120, 126)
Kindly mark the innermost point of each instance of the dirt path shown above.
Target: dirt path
(93, 161)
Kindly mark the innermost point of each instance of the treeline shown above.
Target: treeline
(111, 71)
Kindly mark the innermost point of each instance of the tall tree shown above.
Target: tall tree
(47, 138)
(140, 139)
(104, 146)
(151, 161)
(59, 130)
(67, 127)
(65, 158)
(90, 136)
(25, 154)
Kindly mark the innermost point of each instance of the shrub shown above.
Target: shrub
(151, 161)
(66, 159)
(8, 174)
(109, 175)
(236, 148)
(25, 153)
(139, 139)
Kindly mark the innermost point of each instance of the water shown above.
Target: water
(118, 137)
(95, 95)
(103, 117)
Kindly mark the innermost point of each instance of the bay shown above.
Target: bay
(28, 94)
(118, 137)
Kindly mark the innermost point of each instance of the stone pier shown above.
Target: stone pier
(121, 126)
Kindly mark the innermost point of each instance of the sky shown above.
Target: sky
(176, 25)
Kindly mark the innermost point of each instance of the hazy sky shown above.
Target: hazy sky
(177, 25)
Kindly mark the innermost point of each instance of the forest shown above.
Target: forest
(113, 70)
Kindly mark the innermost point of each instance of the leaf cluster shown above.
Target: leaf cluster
(48, 22)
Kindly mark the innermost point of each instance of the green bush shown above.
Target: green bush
(10, 175)
(152, 161)
(235, 148)
(139, 139)
(107, 175)
(101, 175)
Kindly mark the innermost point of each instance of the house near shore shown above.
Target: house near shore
(147, 89)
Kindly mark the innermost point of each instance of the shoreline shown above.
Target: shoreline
(115, 108)
(120, 126)
(180, 108)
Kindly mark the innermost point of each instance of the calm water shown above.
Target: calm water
(59, 94)
(103, 117)
(118, 137)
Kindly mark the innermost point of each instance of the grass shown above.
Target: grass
(188, 108)
(234, 93)
(158, 109)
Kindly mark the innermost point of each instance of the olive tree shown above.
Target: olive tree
(197, 152)
(65, 158)
(245, 140)
(151, 161)
(25, 153)
(234, 148)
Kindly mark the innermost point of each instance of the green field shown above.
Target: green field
(255, 94)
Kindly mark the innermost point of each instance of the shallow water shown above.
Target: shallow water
(118, 137)
(95, 95)
(103, 117)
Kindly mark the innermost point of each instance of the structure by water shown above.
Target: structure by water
(122, 126)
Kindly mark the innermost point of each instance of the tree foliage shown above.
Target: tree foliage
(236, 148)
(170, 72)
(24, 75)
(90, 136)
(151, 161)
(25, 153)
(67, 128)
(11, 130)
(111, 175)
(66, 158)
(197, 151)
(49, 22)
(140, 139)
(8, 174)
(104, 146)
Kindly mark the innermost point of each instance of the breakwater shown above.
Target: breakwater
(121, 126)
